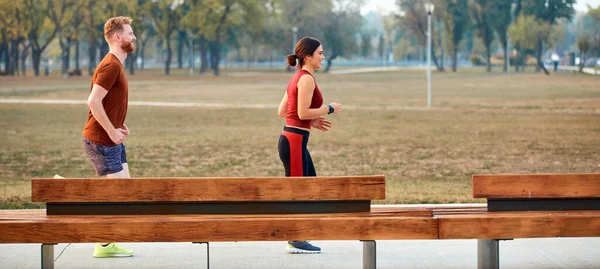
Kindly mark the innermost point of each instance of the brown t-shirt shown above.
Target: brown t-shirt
(111, 76)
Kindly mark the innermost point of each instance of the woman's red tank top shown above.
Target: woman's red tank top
(291, 118)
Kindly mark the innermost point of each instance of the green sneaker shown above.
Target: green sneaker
(112, 250)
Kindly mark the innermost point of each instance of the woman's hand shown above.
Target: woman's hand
(321, 124)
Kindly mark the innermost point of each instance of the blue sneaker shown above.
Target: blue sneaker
(302, 247)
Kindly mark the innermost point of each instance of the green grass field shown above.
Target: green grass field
(480, 123)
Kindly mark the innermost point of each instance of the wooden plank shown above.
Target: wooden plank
(208, 189)
(537, 186)
(170, 208)
(206, 228)
(548, 204)
(40, 215)
(501, 225)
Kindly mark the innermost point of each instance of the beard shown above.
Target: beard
(128, 47)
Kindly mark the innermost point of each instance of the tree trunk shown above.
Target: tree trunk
(329, 62)
(92, 41)
(14, 57)
(103, 49)
(7, 61)
(442, 51)
(454, 58)
(434, 59)
(488, 57)
(538, 57)
(36, 55)
(203, 55)
(92, 56)
(66, 55)
(180, 49)
(24, 56)
(76, 54)
(506, 56)
(190, 47)
(215, 57)
(141, 55)
(524, 54)
(582, 60)
(169, 55)
(540, 64)
(2, 51)
(132, 62)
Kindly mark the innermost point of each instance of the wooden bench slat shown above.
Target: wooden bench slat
(537, 186)
(210, 228)
(40, 214)
(500, 225)
(208, 189)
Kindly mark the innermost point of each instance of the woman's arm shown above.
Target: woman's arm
(283, 106)
(306, 87)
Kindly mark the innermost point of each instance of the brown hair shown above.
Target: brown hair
(115, 24)
(305, 47)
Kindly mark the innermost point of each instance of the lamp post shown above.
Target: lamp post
(295, 31)
(507, 56)
(429, 7)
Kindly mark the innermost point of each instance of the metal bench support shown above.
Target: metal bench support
(369, 254)
(207, 253)
(488, 254)
(47, 253)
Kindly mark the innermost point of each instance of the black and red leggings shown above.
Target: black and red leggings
(294, 154)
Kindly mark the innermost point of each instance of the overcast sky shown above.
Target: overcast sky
(386, 6)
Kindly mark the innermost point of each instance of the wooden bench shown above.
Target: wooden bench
(212, 210)
(281, 209)
(526, 206)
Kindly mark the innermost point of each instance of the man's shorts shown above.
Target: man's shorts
(105, 159)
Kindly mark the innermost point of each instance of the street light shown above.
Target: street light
(507, 56)
(429, 7)
(295, 31)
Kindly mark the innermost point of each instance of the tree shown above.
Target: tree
(365, 43)
(95, 15)
(65, 16)
(414, 17)
(403, 48)
(340, 30)
(381, 47)
(549, 11)
(456, 22)
(481, 11)
(501, 19)
(165, 15)
(14, 30)
(584, 44)
(91, 24)
(273, 32)
(142, 28)
(595, 14)
(526, 34)
(214, 21)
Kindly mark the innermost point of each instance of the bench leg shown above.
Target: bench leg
(369, 254)
(207, 253)
(47, 251)
(488, 254)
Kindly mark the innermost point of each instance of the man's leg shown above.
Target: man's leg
(121, 174)
(108, 162)
(120, 165)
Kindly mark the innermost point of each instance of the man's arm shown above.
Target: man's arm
(94, 102)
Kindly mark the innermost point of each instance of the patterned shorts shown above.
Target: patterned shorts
(105, 159)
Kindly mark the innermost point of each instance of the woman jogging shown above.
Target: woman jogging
(302, 107)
